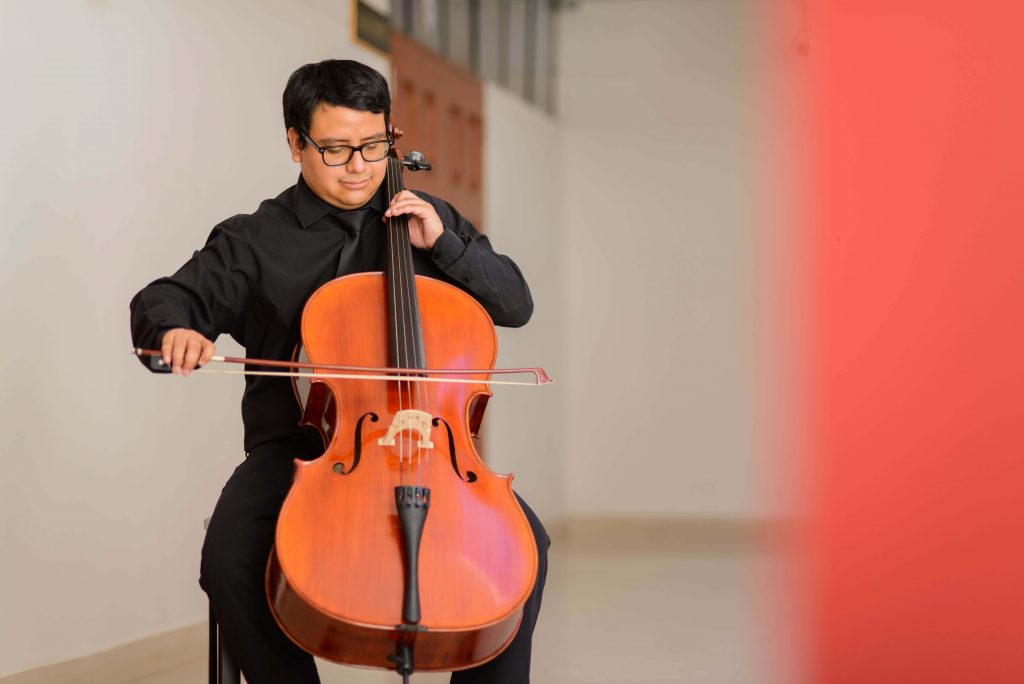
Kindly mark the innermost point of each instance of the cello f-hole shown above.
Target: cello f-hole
(470, 476)
(357, 447)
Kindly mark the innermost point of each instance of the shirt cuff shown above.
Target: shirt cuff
(448, 249)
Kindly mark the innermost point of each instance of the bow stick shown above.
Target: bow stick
(540, 377)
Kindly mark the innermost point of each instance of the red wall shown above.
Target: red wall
(914, 200)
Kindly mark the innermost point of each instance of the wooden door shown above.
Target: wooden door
(439, 105)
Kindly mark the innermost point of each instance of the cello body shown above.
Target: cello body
(338, 578)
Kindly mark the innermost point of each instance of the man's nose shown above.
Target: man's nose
(356, 164)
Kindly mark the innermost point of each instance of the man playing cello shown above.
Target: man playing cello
(252, 279)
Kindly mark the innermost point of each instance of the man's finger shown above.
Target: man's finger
(192, 351)
(208, 351)
(407, 199)
(408, 207)
(178, 345)
(165, 347)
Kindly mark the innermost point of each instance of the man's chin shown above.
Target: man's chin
(352, 200)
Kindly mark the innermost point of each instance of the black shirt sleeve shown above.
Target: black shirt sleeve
(208, 294)
(465, 255)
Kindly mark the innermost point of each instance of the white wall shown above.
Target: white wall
(130, 129)
(655, 99)
(522, 195)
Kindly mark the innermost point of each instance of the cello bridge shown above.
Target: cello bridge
(409, 419)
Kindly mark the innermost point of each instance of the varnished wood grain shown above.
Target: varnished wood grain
(335, 580)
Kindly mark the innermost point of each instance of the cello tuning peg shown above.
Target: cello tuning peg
(415, 161)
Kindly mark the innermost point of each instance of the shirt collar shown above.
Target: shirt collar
(310, 208)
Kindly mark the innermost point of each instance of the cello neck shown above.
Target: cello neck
(406, 335)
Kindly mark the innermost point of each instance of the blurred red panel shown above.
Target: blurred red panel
(914, 211)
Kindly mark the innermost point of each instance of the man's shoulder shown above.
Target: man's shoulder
(280, 208)
(271, 214)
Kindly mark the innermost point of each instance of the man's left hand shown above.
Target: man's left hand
(424, 224)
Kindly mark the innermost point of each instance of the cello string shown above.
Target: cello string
(416, 320)
(403, 258)
(414, 326)
(423, 393)
(402, 228)
(393, 285)
(411, 342)
(390, 275)
(400, 310)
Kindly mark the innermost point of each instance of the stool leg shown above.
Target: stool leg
(229, 673)
(211, 658)
(223, 669)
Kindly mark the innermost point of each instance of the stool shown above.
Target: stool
(223, 669)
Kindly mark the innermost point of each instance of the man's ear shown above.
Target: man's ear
(293, 145)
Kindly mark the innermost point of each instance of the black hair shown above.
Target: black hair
(337, 82)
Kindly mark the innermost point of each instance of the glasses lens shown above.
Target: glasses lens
(337, 156)
(375, 151)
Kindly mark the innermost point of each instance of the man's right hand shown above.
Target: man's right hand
(185, 349)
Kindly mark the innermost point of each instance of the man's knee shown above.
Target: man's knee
(226, 566)
(219, 570)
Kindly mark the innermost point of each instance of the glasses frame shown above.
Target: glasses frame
(351, 150)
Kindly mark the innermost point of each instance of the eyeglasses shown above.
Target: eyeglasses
(339, 155)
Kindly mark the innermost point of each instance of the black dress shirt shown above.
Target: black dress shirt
(256, 271)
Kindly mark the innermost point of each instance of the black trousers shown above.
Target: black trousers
(234, 559)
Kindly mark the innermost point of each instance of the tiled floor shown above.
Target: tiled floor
(626, 610)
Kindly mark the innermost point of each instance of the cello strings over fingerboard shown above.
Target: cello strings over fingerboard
(406, 333)
(399, 344)
(407, 339)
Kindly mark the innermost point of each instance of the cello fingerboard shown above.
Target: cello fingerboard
(403, 305)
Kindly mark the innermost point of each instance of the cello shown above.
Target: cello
(397, 548)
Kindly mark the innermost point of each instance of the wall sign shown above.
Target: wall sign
(370, 27)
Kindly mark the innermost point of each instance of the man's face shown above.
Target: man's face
(352, 185)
